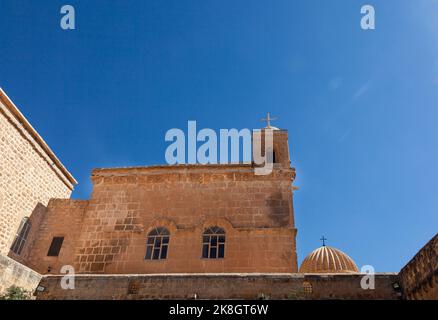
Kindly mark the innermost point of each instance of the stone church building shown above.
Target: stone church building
(169, 231)
(175, 219)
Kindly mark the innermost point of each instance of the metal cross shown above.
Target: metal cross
(268, 120)
(323, 241)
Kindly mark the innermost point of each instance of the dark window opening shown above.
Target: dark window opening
(213, 243)
(21, 236)
(157, 244)
(55, 246)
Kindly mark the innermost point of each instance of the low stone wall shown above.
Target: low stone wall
(219, 286)
(14, 273)
(419, 278)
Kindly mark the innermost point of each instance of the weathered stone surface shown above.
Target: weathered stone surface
(107, 234)
(14, 273)
(419, 278)
(29, 172)
(220, 286)
(105, 237)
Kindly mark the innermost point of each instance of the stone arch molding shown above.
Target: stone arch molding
(166, 223)
(170, 225)
(220, 222)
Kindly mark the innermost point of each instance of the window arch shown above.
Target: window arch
(157, 244)
(213, 243)
(21, 236)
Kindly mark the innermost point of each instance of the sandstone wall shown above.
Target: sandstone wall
(36, 220)
(62, 218)
(219, 286)
(14, 273)
(29, 172)
(109, 232)
(419, 278)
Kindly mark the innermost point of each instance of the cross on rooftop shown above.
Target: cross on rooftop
(268, 120)
(323, 240)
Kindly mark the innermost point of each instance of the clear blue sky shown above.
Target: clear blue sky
(361, 107)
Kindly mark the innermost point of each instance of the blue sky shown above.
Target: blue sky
(360, 106)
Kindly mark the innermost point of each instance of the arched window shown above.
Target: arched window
(157, 243)
(213, 243)
(21, 236)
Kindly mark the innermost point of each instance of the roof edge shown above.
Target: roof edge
(197, 166)
(35, 135)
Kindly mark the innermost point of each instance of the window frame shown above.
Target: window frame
(21, 236)
(157, 244)
(213, 243)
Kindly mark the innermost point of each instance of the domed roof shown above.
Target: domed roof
(328, 260)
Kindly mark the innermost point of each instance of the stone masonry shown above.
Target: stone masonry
(13, 273)
(30, 175)
(105, 238)
(29, 172)
(108, 233)
(220, 286)
(419, 278)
